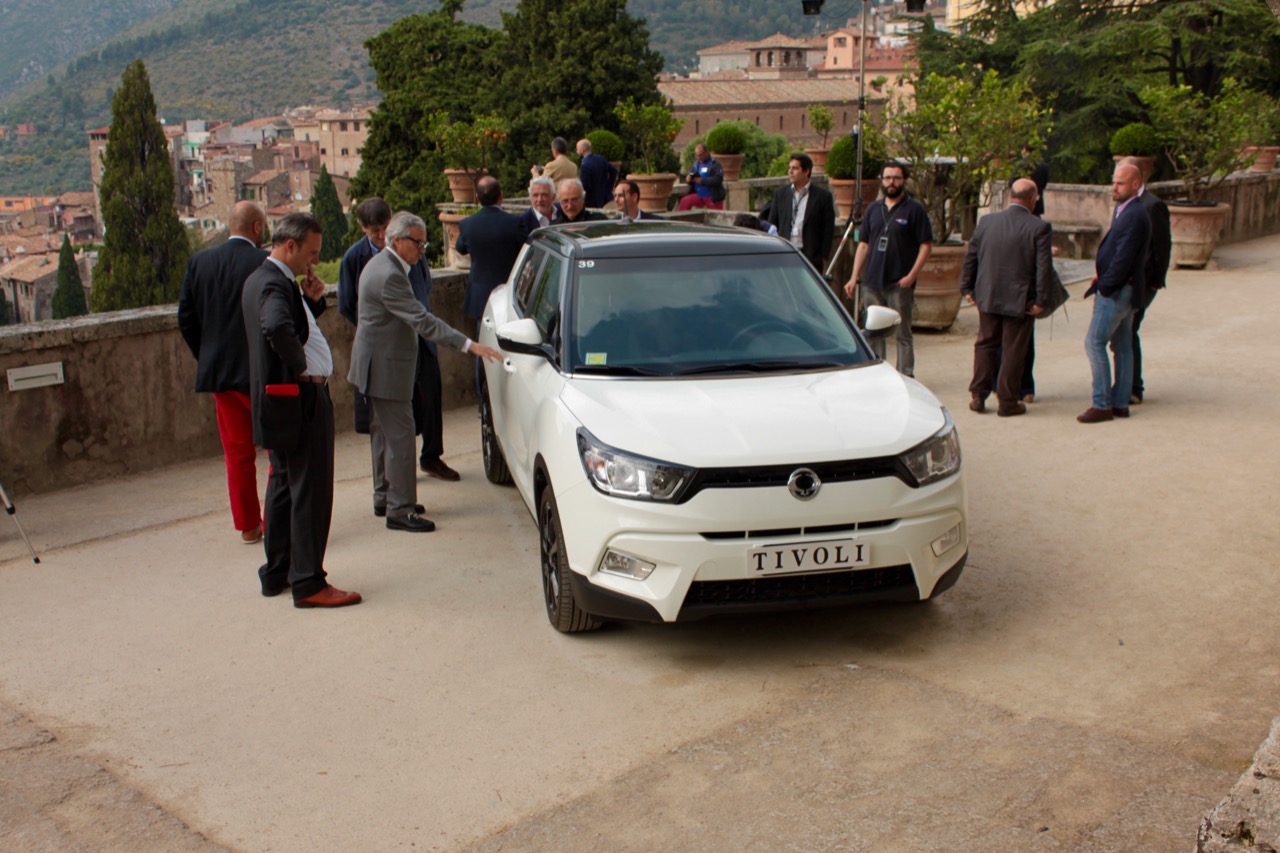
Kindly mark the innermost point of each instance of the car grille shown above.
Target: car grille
(780, 592)
(815, 530)
(763, 476)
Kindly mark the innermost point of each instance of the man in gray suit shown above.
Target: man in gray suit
(1008, 270)
(383, 360)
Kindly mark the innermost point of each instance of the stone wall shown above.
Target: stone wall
(127, 403)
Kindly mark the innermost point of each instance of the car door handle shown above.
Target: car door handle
(487, 322)
(508, 366)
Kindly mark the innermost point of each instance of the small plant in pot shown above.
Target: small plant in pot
(727, 143)
(842, 169)
(653, 128)
(469, 149)
(1138, 140)
(608, 145)
(821, 120)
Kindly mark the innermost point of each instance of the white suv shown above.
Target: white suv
(698, 427)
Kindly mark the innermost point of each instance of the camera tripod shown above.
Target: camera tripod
(11, 509)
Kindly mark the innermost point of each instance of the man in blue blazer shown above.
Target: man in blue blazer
(492, 238)
(1118, 290)
(597, 175)
(1154, 272)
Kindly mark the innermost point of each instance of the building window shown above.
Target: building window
(697, 126)
(841, 41)
(345, 152)
(780, 122)
(342, 126)
(771, 59)
(355, 125)
(323, 152)
(802, 117)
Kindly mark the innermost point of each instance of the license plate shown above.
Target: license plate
(808, 556)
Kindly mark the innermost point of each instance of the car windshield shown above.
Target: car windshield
(706, 315)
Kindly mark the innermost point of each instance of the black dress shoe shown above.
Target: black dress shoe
(978, 404)
(1012, 410)
(437, 468)
(381, 511)
(413, 522)
(269, 590)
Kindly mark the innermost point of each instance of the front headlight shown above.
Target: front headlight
(937, 458)
(625, 475)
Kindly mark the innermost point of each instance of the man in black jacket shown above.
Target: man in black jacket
(211, 323)
(290, 364)
(804, 213)
(1154, 273)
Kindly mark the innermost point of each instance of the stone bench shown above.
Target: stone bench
(1076, 240)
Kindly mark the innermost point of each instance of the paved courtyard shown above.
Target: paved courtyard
(1097, 681)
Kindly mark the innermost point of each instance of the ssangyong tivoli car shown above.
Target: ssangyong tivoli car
(698, 427)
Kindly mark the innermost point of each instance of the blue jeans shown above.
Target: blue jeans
(1112, 324)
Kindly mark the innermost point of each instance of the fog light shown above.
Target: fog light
(946, 541)
(625, 565)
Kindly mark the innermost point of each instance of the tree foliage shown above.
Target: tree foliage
(326, 207)
(68, 296)
(144, 250)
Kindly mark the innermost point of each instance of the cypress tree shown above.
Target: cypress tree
(144, 250)
(326, 207)
(68, 296)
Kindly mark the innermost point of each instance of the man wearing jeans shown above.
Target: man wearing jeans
(1120, 290)
(893, 244)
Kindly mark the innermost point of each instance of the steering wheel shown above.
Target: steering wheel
(756, 329)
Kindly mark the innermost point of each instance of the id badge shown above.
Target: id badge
(883, 243)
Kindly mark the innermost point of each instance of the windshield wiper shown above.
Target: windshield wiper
(756, 367)
(618, 370)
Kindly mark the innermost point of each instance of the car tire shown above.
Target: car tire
(557, 593)
(495, 464)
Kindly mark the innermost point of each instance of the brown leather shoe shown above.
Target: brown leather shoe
(1012, 411)
(1120, 413)
(1094, 416)
(251, 537)
(1028, 398)
(330, 596)
(437, 468)
(977, 404)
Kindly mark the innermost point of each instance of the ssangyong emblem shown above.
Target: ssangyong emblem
(803, 484)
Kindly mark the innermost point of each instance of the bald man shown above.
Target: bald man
(1119, 289)
(212, 324)
(1008, 270)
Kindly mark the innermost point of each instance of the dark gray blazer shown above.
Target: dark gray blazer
(1008, 266)
(210, 316)
(384, 356)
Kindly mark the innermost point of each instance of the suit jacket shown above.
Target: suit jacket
(1008, 266)
(384, 356)
(1161, 250)
(493, 238)
(276, 327)
(560, 168)
(819, 221)
(1122, 254)
(529, 223)
(598, 177)
(210, 316)
(647, 216)
(353, 263)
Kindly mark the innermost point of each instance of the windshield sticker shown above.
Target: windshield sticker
(597, 358)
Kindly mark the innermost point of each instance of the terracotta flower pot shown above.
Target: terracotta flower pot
(654, 189)
(845, 191)
(1196, 229)
(938, 288)
(819, 157)
(1264, 157)
(462, 185)
(449, 222)
(731, 163)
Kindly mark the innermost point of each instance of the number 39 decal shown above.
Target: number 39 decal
(586, 265)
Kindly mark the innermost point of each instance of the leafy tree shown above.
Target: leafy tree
(326, 207)
(144, 251)
(68, 296)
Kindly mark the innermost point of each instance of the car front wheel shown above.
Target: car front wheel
(562, 610)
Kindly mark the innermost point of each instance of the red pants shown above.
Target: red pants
(235, 426)
(693, 200)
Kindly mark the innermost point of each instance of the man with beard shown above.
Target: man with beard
(893, 245)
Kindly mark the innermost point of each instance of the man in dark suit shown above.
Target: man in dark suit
(1119, 289)
(894, 243)
(212, 324)
(492, 238)
(373, 214)
(290, 363)
(627, 197)
(382, 366)
(573, 204)
(1154, 272)
(597, 175)
(542, 206)
(804, 213)
(1008, 269)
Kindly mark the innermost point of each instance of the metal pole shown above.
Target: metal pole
(11, 509)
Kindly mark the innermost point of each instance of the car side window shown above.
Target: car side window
(545, 305)
(525, 280)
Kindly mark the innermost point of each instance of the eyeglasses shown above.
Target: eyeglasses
(421, 244)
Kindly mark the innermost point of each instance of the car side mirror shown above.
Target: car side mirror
(521, 336)
(880, 322)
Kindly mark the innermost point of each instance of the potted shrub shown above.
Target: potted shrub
(468, 147)
(821, 120)
(1262, 155)
(727, 143)
(1203, 138)
(608, 145)
(959, 136)
(1139, 141)
(842, 169)
(653, 128)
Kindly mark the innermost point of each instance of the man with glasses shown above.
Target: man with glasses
(893, 244)
(573, 204)
(627, 196)
(382, 367)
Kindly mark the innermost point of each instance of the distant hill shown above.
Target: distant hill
(60, 60)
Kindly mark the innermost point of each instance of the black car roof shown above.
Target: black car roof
(657, 239)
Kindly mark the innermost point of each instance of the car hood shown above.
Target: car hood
(758, 420)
